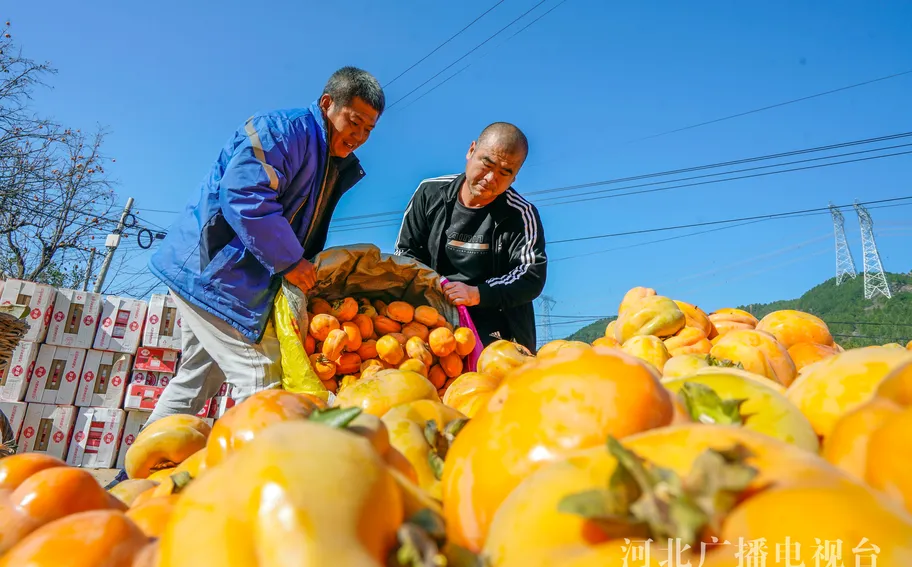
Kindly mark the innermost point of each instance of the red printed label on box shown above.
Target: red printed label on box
(56, 376)
(47, 429)
(39, 298)
(104, 379)
(156, 360)
(142, 397)
(96, 437)
(19, 371)
(163, 324)
(75, 319)
(121, 324)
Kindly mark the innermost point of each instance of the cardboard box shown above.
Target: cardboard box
(40, 300)
(134, 422)
(156, 360)
(222, 401)
(75, 319)
(56, 375)
(19, 371)
(142, 397)
(104, 379)
(15, 414)
(163, 323)
(96, 437)
(121, 325)
(47, 429)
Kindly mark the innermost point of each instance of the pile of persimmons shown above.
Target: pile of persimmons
(679, 438)
(350, 338)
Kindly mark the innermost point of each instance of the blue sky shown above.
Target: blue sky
(172, 80)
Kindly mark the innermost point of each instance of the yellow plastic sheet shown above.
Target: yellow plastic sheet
(360, 270)
(297, 374)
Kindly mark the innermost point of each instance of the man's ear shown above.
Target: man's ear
(326, 102)
(471, 150)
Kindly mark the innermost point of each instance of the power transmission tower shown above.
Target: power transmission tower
(547, 303)
(845, 264)
(874, 279)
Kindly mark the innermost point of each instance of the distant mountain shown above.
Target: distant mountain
(853, 320)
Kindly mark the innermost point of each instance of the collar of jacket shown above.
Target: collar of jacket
(498, 206)
(350, 170)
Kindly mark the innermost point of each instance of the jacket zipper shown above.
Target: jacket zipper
(322, 185)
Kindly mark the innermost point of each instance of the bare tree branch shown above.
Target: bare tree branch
(55, 196)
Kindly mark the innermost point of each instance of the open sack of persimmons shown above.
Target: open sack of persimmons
(368, 312)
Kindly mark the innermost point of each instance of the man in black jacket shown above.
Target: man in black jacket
(477, 231)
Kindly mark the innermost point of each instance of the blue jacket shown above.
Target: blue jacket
(261, 209)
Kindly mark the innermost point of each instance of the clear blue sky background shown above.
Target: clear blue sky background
(171, 80)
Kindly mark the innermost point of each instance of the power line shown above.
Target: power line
(501, 44)
(777, 105)
(710, 223)
(652, 175)
(400, 99)
(751, 176)
(648, 242)
(742, 170)
(669, 172)
(766, 157)
(580, 186)
(763, 217)
(393, 222)
(727, 280)
(748, 112)
(451, 38)
(101, 220)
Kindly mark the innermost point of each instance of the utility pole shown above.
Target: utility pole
(88, 274)
(112, 242)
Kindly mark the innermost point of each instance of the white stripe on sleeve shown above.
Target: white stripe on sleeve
(530, 232)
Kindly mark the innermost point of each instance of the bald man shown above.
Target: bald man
(474, 229)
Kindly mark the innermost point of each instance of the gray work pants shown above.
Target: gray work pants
(214, 352)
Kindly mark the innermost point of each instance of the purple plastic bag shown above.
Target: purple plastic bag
(465, 320)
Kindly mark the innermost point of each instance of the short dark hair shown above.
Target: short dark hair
(349, 83)
(507, 135)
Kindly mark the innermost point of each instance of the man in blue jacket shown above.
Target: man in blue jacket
(263, 210)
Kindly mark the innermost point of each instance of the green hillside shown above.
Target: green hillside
(591, 331)
(853, 320)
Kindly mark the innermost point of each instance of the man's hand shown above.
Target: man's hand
(459, 293)
(303, 275)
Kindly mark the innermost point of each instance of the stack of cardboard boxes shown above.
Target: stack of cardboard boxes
(82, 381)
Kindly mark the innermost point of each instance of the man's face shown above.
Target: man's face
(490, 170)
(351, 125)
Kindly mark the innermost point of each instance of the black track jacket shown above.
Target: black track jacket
(519, 261)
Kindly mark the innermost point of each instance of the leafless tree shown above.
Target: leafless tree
(55, 196)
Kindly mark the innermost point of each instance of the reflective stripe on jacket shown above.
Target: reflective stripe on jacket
(227, 251)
